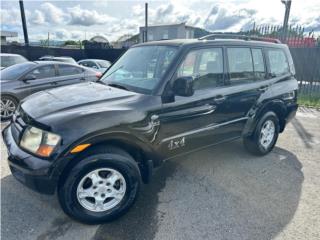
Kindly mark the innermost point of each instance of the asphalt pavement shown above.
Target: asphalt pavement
(222, 192)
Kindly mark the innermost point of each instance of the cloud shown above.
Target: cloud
(37, 18)
(85, 17)
(52, 13)
(10, 16)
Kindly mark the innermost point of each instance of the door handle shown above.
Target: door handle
(219, 99)
(54, 83)
(263, 88)
(82, 79)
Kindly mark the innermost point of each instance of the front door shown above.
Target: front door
(189, 123)
(40, 78)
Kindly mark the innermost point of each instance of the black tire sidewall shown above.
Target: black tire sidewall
(14, 100)
(268, 116)
(68, 197)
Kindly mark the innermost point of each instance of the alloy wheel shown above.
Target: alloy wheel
(101, 190)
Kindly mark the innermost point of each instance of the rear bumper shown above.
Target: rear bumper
(27, 169)
(291, 112)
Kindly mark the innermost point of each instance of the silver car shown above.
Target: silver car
(9, 59)
(98, 64)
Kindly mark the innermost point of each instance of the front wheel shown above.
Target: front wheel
(265, 135)
(100, 187)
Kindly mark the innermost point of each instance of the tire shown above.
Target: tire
(257, 143)
(8, 106)
(107, 160)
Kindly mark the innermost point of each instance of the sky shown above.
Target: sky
(79, 20)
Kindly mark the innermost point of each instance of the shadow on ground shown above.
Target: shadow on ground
(218, 193)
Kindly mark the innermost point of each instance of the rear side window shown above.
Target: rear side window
(278, 62)
(205, 65)
(258, 64)
(65, 70)
(240, 65)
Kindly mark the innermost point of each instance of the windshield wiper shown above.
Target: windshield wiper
(116, 85)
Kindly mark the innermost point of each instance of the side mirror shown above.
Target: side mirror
(183, 86)
(29, 77)
(95, 67)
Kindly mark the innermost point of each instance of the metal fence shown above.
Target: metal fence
(35, 52)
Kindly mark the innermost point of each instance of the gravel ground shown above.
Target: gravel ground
(219, 193)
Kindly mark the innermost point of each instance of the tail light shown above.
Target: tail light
(98, 75)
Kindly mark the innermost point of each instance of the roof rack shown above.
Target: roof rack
(237, 36)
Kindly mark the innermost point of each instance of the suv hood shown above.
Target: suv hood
(80, 97)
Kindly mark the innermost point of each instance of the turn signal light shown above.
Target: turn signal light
(80, 148)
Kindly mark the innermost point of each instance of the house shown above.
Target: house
(171, 31)
(6, 34)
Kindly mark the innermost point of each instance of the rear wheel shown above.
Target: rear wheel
(101, 187)
(265, 136)
(8, 105)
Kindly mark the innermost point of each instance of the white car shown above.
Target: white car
(9, 59)
(98, 64)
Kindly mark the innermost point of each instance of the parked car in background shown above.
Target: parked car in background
(98, 64)
(9, 59)
(58, 59)
(24, 79)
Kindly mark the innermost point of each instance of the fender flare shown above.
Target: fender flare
(276, 105)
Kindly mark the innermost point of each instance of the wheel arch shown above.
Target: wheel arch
(137, 149)
(277, 106)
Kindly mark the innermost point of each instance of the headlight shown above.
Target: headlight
(39, 142)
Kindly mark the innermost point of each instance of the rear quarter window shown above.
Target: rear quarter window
(65, 70)
(278, 62)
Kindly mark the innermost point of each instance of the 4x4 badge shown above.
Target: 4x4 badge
(176, 143)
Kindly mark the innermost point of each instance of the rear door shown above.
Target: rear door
(70, 74)
(245, 83)
(38, 79)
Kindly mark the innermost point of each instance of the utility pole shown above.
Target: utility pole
(146, 24)
(287, 4)
(48, 39)
(24, 24)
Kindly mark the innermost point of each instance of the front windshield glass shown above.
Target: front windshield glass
(140, 68)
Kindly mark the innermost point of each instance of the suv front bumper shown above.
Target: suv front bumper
(33, 172)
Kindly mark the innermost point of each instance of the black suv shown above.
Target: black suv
(94, 142)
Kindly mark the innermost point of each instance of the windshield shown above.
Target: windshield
(7, 61)
(15, 71)
(103, 63)
(66, 60)
(140, 68)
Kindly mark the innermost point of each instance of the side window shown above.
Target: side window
(43, 72)
(240, 65)
(66, 70)
(84, 63)
(258, 64)
(205, 65)
(91, 64)
(278, 62)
